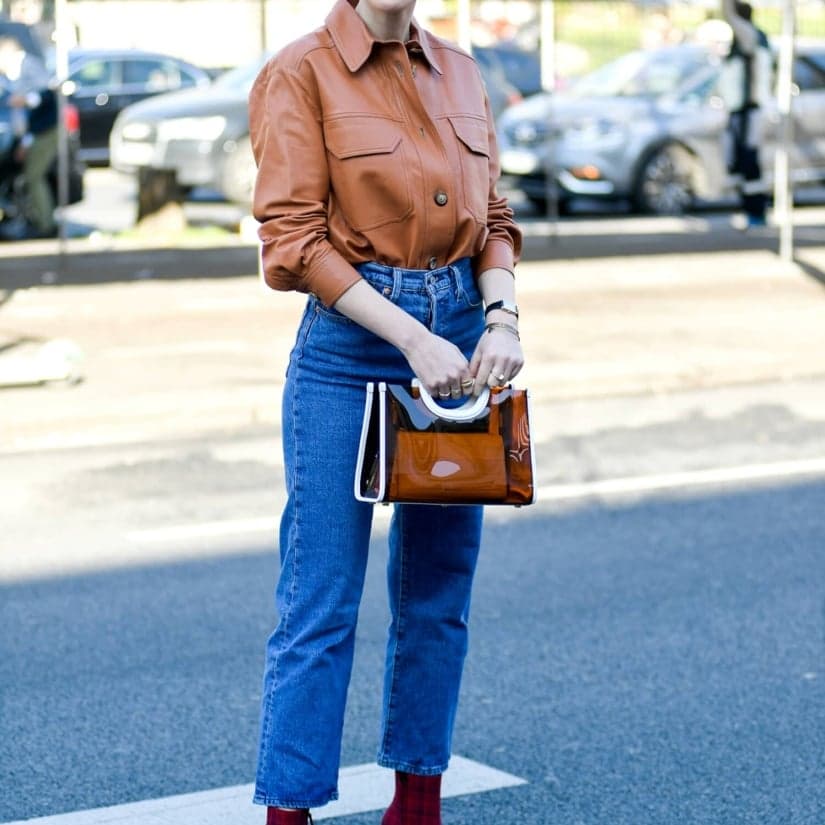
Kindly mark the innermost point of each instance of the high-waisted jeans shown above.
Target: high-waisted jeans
(324, 540)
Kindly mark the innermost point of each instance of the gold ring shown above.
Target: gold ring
(468, 382)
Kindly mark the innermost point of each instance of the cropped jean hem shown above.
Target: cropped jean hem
(275, 802)
(405, 767)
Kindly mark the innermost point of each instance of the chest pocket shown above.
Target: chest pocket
(368, 171)
(474, 153)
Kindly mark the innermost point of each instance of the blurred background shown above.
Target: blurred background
(598, 103)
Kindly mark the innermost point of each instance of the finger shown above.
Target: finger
(467, 385)
(497, 377)
(475, 360)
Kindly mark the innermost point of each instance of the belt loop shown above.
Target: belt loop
(458, 284)
(397, 282)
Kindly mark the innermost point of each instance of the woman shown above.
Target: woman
(376, 195)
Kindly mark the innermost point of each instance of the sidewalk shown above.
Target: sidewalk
(163, 359)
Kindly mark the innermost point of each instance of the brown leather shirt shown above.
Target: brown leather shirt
(378, 151)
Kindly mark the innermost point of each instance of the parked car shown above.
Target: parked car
(202, 136)
(102, 82)
(650, 127)
(25, 35)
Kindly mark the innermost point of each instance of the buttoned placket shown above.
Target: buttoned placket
(422, 128)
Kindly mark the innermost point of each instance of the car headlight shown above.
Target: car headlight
(596, 130)
(192, 128)
(137, 130)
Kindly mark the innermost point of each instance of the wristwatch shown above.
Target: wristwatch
(504, 306)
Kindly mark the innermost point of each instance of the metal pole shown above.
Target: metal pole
(262, 23)
(464, 25)
(61, 26)
(783, 188)
(547, 43)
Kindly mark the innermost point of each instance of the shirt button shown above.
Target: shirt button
(433, 263)
(441, 198)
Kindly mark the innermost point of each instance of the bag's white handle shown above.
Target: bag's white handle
(468, 411)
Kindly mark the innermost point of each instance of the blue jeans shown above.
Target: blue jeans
(324, 540)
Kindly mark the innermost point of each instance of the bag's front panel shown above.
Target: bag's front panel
(448, 467)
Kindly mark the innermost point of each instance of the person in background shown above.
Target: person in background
(747, 72)
(32, 97)
(376, 194)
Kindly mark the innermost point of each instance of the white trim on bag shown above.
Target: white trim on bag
(365, 428)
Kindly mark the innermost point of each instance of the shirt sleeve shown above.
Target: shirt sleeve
(503, 245)
(292, 188)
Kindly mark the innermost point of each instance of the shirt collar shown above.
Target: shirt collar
(354, 40)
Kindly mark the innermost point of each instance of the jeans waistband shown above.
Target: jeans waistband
(392, 280)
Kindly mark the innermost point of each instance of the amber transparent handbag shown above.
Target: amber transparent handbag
(415, 450)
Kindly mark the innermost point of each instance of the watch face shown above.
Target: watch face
(504, 306)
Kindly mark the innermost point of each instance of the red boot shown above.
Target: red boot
(417, 800)
(279, 816)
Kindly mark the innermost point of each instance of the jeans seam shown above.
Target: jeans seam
(402, 597)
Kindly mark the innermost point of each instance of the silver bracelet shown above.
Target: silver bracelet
(500, 325)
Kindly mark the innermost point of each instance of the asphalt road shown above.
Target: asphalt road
(648, 657)
(657, 661)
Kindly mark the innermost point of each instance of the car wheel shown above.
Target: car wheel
(664, 185)
(239, 173)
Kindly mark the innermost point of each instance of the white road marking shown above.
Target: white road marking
(688, 478)
(604, 488)
(362, 788)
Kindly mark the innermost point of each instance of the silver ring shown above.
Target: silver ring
(443, 394)
(500, 377)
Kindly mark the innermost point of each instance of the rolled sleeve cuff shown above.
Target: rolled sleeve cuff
(496, 254)
(330, 277)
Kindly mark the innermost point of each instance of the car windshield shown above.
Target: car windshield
(241, 77)
(640, 74)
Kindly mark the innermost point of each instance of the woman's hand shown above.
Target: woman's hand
(439, 365)
(497, 359)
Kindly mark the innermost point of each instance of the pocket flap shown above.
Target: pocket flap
(351, 143)
(472, 132)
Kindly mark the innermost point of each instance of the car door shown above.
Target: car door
(93, 83)
(809, 116)
(147, 76)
